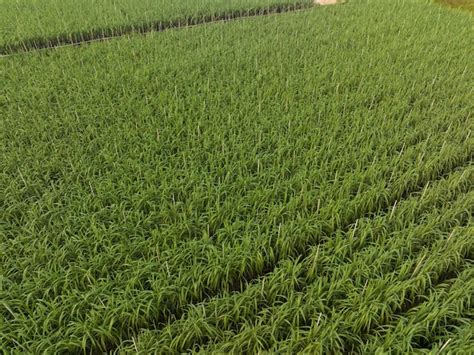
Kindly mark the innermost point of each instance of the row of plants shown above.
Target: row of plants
(147, 174)
(30, 25)
(374, 286)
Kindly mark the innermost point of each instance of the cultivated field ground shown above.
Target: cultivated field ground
(461, 4)
(298, 179)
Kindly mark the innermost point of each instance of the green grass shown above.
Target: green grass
(264, 184)
(29, 24)
(352, 287)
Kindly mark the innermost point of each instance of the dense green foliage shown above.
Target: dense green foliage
(387, 279)
(28, 24)
(295, 182)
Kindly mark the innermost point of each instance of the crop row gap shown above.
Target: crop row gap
(108, 33)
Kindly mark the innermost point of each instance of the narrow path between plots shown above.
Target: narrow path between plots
(103, 34)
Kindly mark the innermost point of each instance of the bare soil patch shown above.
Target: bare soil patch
(326, 2)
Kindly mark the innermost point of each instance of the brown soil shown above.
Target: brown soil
(326, 2)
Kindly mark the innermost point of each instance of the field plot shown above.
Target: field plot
(295, 182)
(29, 24)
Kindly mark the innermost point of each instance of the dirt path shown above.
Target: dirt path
(326, 2)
